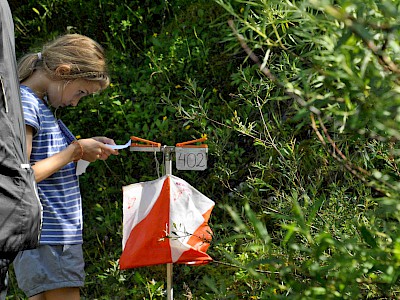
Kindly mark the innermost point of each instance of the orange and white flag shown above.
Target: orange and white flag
(165, 221)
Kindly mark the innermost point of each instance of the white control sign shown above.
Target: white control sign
(191, 158)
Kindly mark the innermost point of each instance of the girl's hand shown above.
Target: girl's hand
(107, 151)
(96, 148)
(104, 140)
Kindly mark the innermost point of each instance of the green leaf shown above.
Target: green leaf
(368, 237)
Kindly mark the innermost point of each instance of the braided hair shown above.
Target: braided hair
(84, 57)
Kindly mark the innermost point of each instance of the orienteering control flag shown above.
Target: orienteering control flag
(165, 221)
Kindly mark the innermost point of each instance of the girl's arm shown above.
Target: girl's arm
(92, 150)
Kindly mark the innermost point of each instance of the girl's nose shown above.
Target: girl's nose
(75, 101)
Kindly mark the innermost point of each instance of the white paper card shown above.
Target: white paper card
(83, 164)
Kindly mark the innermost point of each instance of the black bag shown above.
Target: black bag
(20, 208)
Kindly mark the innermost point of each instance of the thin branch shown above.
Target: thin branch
(332, 142)
(243, 268)
(342, 160)
(355, 170)
(267, 72)
(351, 23)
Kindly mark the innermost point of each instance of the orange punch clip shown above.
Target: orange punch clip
(190, 144)
(146, 143)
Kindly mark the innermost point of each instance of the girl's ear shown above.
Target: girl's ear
(63, 70)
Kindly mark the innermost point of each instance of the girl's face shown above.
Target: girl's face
(68, 93)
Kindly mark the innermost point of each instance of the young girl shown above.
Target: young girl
(67, 69)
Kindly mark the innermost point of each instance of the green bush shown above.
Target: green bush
(299, 102)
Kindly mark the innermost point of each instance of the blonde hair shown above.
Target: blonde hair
(84, 56)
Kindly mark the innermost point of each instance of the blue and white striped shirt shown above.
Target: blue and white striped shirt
(59, 193)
